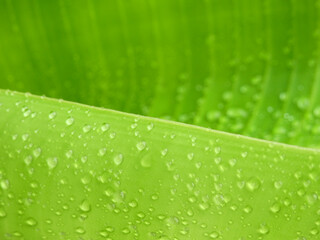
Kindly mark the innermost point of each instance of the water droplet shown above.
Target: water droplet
(69, 153)
(303, 103)
(247, 209)
(146, 161)
(52, 162)
(141, 145)
(263, 229)
(86, 179)
(27, 160)
(232, 162)
(244, 154)
(102, 152)
(85, 206)
(104, 233)
(25, 137)
(52, 115)
(70, 121)
(4, 184)
(133, 204)
(2, 213)
(36, 152)
(204, 206)
(164, 152)
(277, 184)
(275, 208)
(316, 112)
(105, 127)
(118, 159)
(80, 230)
(217, 150)
(150, 126)
(86, 128)
(214, 235)
(31, 222)
(84, 159)
(253, 184)
(190, 156)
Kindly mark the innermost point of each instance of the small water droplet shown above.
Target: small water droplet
(217, 150)
(105, 127)
(303, 103)
(52, 115)
(133, 204)
(69, 153)
(118, 159)
(69, 121)
(190, 156)
(4, 184)
(31, 222)
(247, 209)
(102, 152)
(164, 152)
(150, 126)
(52, 162)
(146, 161)
(2, 213)
(275, 208)
(141, 145)
(86, 128)
(214, 235)
(36, 152)
(27, 160)
(84, 159)
(85, 206)
(263, 229)
(80, 230)
(253, 184)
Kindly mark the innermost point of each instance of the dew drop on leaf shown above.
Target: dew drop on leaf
(80, 230)
(2, 213)
(85, 206)
(27, 160)
(214, 235)
(263, 229)
(52, 162)
(86, 128)
(253, 184)
(4, 184)
(105, 127)
(36, 152)
(69, 121)
(141, 145)
(31, 222)
(275, 208)
(52, 115)
(118, 159)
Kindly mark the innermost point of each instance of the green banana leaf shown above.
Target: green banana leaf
(180, 119)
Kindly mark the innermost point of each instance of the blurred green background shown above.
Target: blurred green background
(248, 67)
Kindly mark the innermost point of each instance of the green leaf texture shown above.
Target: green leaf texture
(153, 167)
